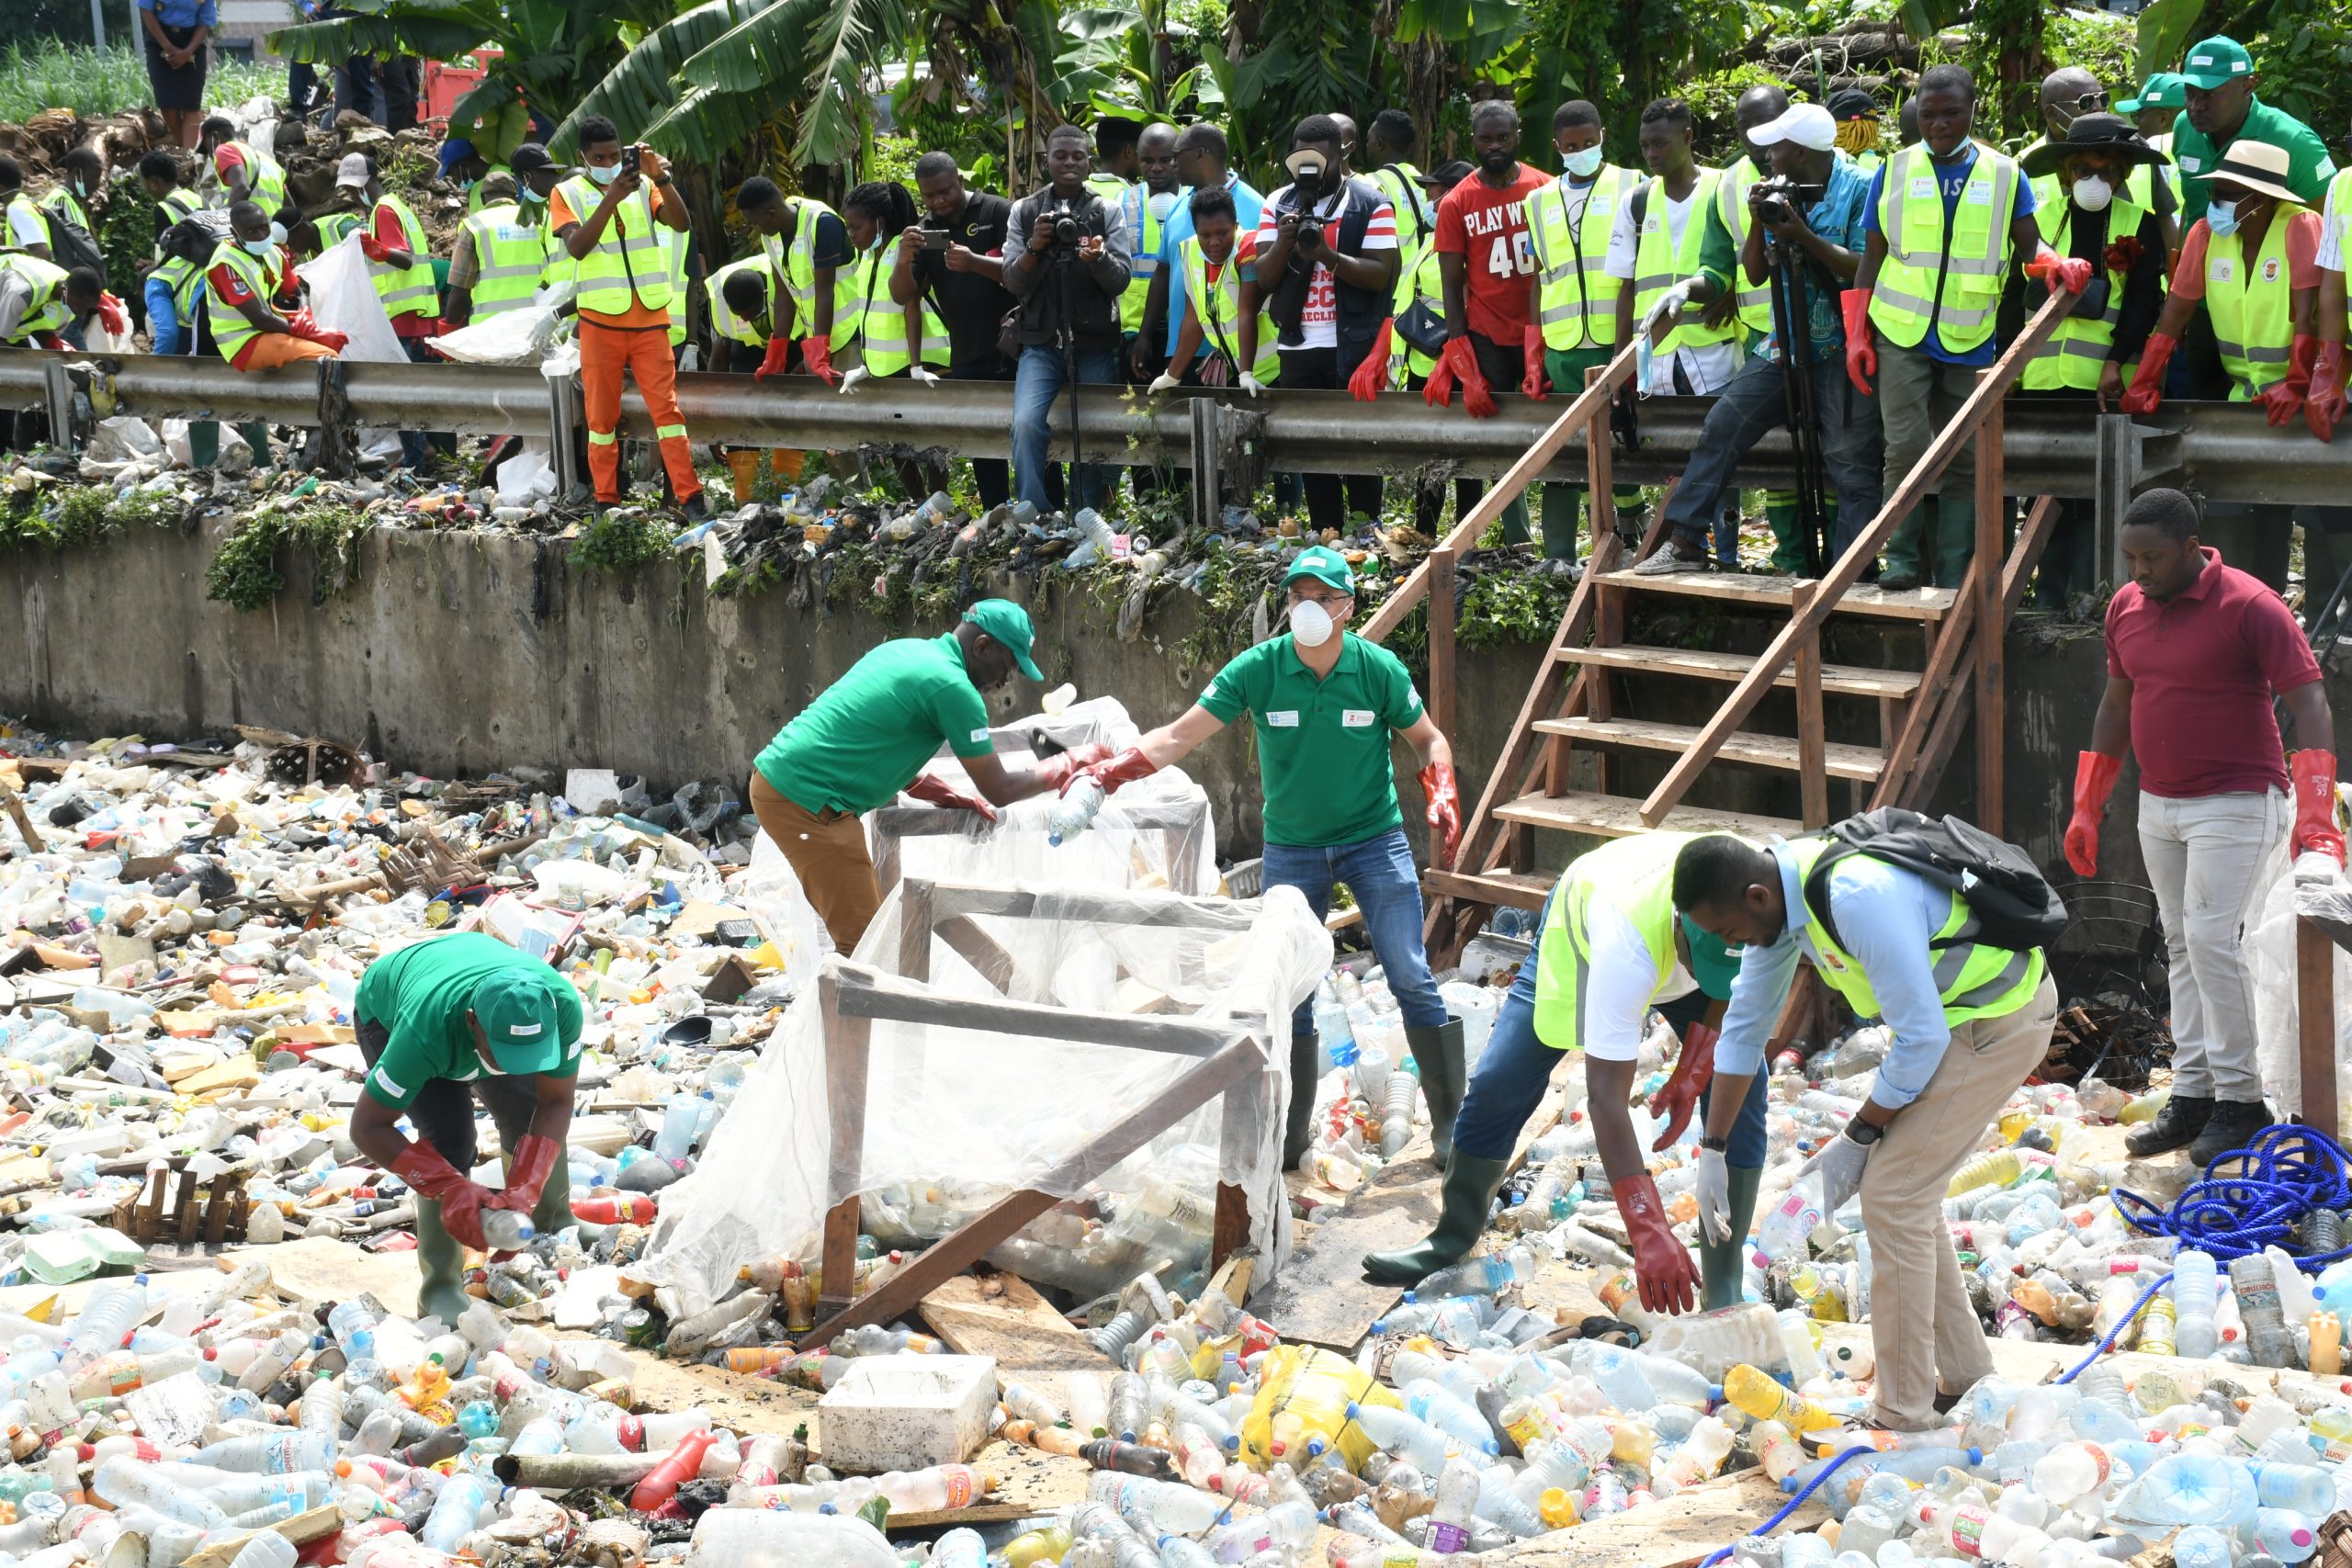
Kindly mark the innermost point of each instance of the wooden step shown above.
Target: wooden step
(1754, 588)
(1848, 680)
(1513, 889)
(1614, 817)
(1843, 761)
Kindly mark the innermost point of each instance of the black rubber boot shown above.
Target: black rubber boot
(1471, 1184)
(2177, 1125)
(1438, 1052)
(2232, 1125)
(1720, 1269)
(1298, 1120)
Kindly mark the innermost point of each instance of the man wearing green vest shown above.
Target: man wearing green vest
(1950, 219)
(443, 1023)
(2222, 110)
(1969, 1021)
(1212, 274)
(247, 282)
(399, 264)
(1117, 158)
(26, 229)
(501, 257)
(1148, 203)
(1421, 300)
(2068, 94)
(1326, 705)
(166, 281)
(741, 297)
(1388, 147)
(1610, 948)
(808, 245)
(245, 172)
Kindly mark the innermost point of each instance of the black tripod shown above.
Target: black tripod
(1794, 331)
(1074, 494)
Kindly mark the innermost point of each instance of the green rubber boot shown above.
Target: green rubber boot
(1471, 1184)
(1437, 1053)
(1720, 1262)
(442, 1293)
(203, 443)
(554, 1210)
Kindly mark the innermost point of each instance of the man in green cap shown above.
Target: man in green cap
(866, 738)
(2217, 82)
(1610, 948)
(444, 1022)
(2162, 98)
(1325, 703)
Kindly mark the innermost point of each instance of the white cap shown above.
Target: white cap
(352, 171)
(1807, 125)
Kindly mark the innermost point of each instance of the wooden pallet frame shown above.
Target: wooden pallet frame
(198, 1212)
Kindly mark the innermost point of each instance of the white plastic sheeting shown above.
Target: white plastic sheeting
(2314, 887)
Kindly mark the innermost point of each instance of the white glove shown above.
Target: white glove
(852, 376)
(1164, 383)
(1714, 1197)
(1251, 384)
(919, 374)
(1668, 307)
(1839, 1165)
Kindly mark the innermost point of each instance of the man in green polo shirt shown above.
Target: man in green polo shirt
(442, 1023)
(866, 738)
(2218, 81)
(1324, 702)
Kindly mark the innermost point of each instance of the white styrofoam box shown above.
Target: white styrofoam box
(906, 1412)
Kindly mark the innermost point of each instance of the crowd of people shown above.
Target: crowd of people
(2197, 229)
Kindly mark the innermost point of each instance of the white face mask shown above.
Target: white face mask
(2092, 193)
(1310, 623)
(1584, 162)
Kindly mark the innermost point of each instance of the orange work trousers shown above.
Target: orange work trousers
(272, 351)
(607, 352)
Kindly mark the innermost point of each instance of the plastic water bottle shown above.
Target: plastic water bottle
(354, 1327)
(1331, 1028)
(2300, 1488)
(2284, 1534)
(2070, 1470)
(1074, 813)
(267, 1550)
(1784, 1230)
(2269, 1340)
(1404, 1435)
(677, 1127)
(105, 1321)
(2202, 1546)
(1449, 1414)
(1457, 1502)
(2193, 1289)
(457, 1510)
(1396, 1116)
(1480, 1276)
(505, 1230)
(2189, 1489)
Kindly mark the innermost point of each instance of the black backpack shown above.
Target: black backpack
(2014, 905)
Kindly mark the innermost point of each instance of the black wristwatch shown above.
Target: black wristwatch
(1864, 1132)
(1716, 1145)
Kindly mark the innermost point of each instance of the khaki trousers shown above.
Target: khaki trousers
(1914, 1272)
(827, 853)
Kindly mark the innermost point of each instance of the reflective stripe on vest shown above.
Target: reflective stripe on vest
(798, 269)
(2077, 350)
(723, 319)
(1731, 206)
(1421, 281)
(1143, 230)
(883, 321)
(1218, 307)
(473, 192)
(1949, 278)
(46, 312)
(2252, 307)
(1577, 302)
(1972, 980)
(1660, 262)
(264, 181)
(1635, 875)
(628, 261)
(1401, 184)
(508, 260)
(176, 275)
(335, 227)
(60, 204)
(674, 242)
(230, 330)
(409, 290)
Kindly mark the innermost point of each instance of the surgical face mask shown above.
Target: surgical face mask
(1310, 623)
(2092, 193)
(1584, 164)
(260, 247)
(81, 187)
(605, 175)
(2222, 217)
(530, 195)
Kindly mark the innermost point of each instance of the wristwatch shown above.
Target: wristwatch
(1716, 1145)
(1864, 1132)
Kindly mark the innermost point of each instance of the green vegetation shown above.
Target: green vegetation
(618, 542)
(244, 573)
(91, 83)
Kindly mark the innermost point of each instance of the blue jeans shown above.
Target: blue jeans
(1516, 1068)
(1380, 873)
(1753, 405)
(1036, 385)
(163, 318)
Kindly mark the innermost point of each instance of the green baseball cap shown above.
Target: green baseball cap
(2165, 90)
(2217, 61)
(1712, 963)
(516, 1010)
(1325, 565)
(1008, 622)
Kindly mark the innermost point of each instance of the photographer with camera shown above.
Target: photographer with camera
(1325, 267)
(1807, 220)
(958, 260)
(1066, 259)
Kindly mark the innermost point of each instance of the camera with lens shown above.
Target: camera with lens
(1067, 230)
(932, 237)
(1780, 198)
(1308, 172)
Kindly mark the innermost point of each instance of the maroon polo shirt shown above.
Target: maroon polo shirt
(2203, 666)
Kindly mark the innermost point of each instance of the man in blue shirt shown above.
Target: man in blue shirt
(1824, 242)
(1969, 1021)
(1202, 155)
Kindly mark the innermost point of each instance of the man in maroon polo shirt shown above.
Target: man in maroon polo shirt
(2195, 650)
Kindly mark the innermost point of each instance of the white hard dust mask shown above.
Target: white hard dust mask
(1310, 623)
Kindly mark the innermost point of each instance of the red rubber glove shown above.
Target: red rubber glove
(2283, 400)
(112, 314)
(1861, 350)
(1439, 389)
(2148, 382)
(1669, 1279)
(2067, 273)
(778, 355)
(1059, 769)
(817, 354)
(1364, 384)
(430, 1175)
(1476, 396)
(2316, 828)
(931, 788)
(374, 249)
(1691, 1075)
(1534, 384)
(2324, 404)
(1123, 769)
(528, 1169)
(1445, 798)
(2095, 774)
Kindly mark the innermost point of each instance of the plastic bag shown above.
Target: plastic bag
(124, 439)
(526, 476)
(342, 299)
(236, 456)
(512, 337)
(2269, 945)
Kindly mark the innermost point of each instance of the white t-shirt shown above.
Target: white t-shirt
(1318, 321)
(2331, 224)
(1622, 985)
(1705, 368)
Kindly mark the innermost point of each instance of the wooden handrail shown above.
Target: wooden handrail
(1761, 677)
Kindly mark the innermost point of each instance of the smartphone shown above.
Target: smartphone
(935, 239)
(629, 159)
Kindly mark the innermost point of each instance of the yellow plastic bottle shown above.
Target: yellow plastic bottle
(1763, 1399)
(2143, 1109)
(2156, 1321)
(1047, 1545)
(1557, 1508)
(1634, 1442)
(2327, 1343)
(1997, 1168)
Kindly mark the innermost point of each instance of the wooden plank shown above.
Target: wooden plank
(1836, 588)
(1846, 680)
(1512, 889)
(847, 1040)
(736, 1400)
(1610, 817)
(2315, 1023)
(1440, 630)
(1782, 751)
(999, 1316)
(1763, 592)
(1992, 543)
(302, 1529)
(1812, 745)
(1673, 1532)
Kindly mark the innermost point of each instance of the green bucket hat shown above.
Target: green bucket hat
(516, 1010)
(2216, 62)
(1712, 963)
(1325, 565)
(1008, 622)
(2165, 90)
